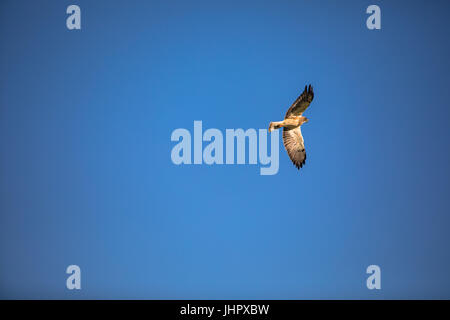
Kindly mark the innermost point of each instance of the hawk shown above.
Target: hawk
(292, 135)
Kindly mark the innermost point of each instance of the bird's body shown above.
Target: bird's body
(293, 120)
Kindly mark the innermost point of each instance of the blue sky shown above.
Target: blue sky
(86, 176)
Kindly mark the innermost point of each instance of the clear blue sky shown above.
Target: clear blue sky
(85, 170)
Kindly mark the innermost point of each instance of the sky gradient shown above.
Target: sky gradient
(86, 175)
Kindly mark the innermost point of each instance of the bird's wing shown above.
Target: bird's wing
(302, 102)
(295, 147)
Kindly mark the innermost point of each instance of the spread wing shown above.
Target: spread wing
(302, 102)
(295, 147)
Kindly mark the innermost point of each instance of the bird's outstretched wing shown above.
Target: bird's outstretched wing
(295, 147)
(302, 102)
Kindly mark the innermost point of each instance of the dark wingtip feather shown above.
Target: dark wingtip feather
(299, 165)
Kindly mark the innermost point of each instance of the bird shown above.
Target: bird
(293, 120)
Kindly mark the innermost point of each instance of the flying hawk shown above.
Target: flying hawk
(292, 135)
